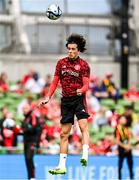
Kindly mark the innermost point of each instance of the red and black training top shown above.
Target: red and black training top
(72, 75)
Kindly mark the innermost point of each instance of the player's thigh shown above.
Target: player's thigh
(67, 114)
(81, 109)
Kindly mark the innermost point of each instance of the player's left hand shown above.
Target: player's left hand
(79, 92)
(43, 102)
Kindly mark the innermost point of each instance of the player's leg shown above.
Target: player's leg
(82, 116)
(85, 140)
(65, 131)
(130, 164)
(120, 164)
(61, 168)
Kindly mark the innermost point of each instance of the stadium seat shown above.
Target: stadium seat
(110, 103)
(13, 95)
(100, 136)
(119, 108)
(124, 102)
(107, 130)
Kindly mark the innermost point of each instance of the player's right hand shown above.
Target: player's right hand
(79, 92)
(43, 102)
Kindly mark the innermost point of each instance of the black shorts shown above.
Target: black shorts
(71, 106)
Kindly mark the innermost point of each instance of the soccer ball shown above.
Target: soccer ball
(53, 12)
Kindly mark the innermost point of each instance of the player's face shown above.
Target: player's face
(73, 51)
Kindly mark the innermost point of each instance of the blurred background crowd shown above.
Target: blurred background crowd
(105, 102)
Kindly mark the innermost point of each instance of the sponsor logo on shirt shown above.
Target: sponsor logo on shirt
(72, 73)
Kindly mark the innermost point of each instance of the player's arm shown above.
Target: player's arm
(85, 79)
(53, 85)
(85, 86)
(51, 91)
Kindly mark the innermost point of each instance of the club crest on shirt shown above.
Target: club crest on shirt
(77, 67)
(64, 66)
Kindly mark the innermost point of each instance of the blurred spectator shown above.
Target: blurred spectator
(28, 76)
(4, 86)
(52, 129)
(43, 139)
(17, 88)
(75, 144)
(106, 144)
(129, 115)
(98, 148)
(135, 151)
(135, 131)
(132, 94)
(33, 82)
(8, 131)
(113, 120)
(110, 86)
(46, 86)
(93, 78)
(101, 118)
(53, 147)
(92, 103)
(99, 90)
(48, 80)
(54, 112)
(113, 149)
(4, 112)
(103, 146)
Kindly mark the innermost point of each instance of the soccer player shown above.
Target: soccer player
(73, 73)
(123, 136)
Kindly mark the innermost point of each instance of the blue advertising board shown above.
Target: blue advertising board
(99, 168)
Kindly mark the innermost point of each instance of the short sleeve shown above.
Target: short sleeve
(86, 70)
(58, 69)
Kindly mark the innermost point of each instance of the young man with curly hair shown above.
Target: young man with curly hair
(73, 73)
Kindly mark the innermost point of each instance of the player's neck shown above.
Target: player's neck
(73, 59)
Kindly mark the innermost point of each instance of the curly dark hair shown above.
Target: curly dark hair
(77, 39)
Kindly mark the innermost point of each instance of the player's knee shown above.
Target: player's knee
(64, 135)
